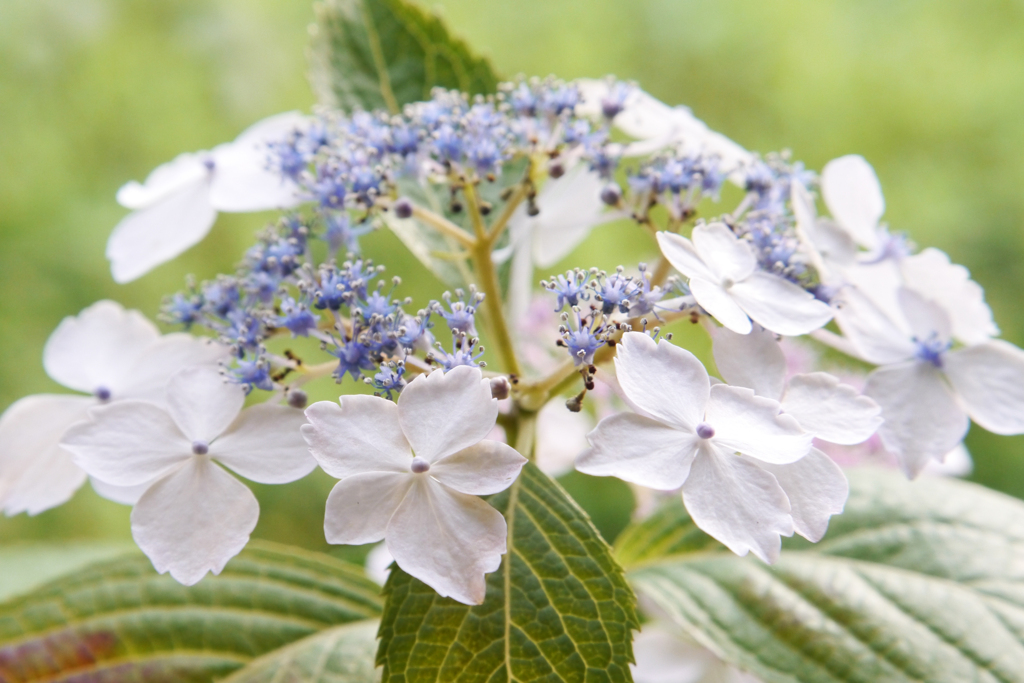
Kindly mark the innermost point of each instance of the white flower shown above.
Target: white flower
(194, 516)
(828, 409)
(926, 389)
(854, 197)
(713, 441)
(109, 353)
(177, 204)
(726, 282)
(411, 473)
(658, 126)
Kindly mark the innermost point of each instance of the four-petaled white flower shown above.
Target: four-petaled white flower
(194, 516)
(411, 474)
(726, 282)
(926, 388)
(853, 195)
(710, 440)
(831, 411)
(176, 206)
(105, 351)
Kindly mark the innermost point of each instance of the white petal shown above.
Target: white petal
(726, 256)
(569, 207)
(165, 180)
(265, 444)
(448, 540)
(681, 253)
(666, 382)
(241, 181)
(663, 656)
(854, 197)
(194, 520)
(147, 377)
(989, 378)
(837, 248)
(925, 317)
(274, 128)
(779, 305)
(721, 305)
(127, 443)
(97, 347)
(816, 488)
(360, 507)
(923, 421)
(831, 411)
(752, 425)
(156, 234)
(125, 495)
(361, 435)
(202, 403)
(561, 436)
(35, 473)
(877, 337)
(444, 412)
(480, 470)
(879, 282)
(956, 463)
(378, 564)
(752, 360)
(640, 450)
(738, 503)
(931, 274)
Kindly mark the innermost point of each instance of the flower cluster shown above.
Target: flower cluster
(491, 188)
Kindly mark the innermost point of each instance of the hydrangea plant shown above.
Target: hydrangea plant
(445, 451)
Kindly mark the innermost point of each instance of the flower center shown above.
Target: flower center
(728, 282)
(419, 465)
(200, 447)
(705, 431)
(102, 394)
(931, 349)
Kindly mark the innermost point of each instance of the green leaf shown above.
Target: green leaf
(916, 581)
(558, 609)
(343, 654)
(25, 566)
(382, 54)
(119, 620)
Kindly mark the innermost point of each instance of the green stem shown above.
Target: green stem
(501, 222)
(487, 277)
(526, 434)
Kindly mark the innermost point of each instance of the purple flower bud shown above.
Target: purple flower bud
(297, 398)
(419, 465)
(611, 194)
(705, 431)
(403, 207)
(200, 447)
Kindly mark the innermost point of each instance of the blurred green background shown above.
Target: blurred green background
(97, 92)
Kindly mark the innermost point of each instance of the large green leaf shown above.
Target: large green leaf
(343, 654)
(382, 54)
(119, 620)
(558, 609)
(915, 581)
